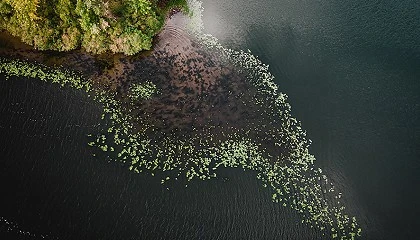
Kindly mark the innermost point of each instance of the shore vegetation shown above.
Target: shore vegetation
(266, 140)
(98, 26)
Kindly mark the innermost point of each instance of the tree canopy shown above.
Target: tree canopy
(118, 26)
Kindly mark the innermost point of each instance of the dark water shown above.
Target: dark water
(53, 188)
(351, 70)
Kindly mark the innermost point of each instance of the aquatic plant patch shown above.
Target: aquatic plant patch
(264, 137)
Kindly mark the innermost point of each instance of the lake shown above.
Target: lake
(351, 72)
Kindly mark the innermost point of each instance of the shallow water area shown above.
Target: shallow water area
(351, 72)
(189, 110)
(55, 189)
(59, 190)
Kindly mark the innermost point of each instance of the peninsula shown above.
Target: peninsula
(98, 26)
(180, 112)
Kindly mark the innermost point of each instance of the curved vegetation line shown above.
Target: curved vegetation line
(277, 151)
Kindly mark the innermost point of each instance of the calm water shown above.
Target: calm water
(54, 188)
(351, 71)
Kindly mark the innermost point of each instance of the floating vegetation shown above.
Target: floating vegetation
(142, 90)
(205, 120)
(7, 226)
(44, 73)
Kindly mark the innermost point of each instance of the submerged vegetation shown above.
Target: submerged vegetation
(118, 26)
(275, 147)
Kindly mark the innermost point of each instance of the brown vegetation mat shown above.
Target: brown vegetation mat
(197, 90)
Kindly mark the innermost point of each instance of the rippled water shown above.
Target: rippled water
(53, 188)
(352, 79)
(351, 72)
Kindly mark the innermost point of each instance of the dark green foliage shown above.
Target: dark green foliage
(118, 26)
(180, 4)
(5, 9)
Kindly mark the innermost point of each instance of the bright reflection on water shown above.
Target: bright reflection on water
(350, 69)
(339, 69)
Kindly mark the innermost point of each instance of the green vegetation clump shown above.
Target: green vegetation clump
(31, 70)
(142, 91)
(134, 140)
(118, 26)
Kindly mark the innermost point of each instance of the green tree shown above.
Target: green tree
(126, 26)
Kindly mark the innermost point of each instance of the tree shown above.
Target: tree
(126, 26)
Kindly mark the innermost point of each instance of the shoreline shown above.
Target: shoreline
(198, 91)
(104, 69)
(205, 113)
